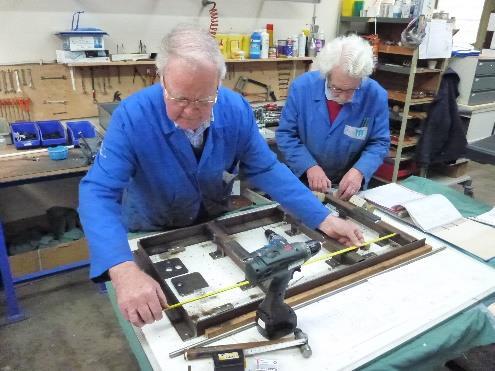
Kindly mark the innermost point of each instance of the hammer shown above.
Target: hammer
(256, 347)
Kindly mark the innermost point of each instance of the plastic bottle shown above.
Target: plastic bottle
(397, 9)
(301, 45)
(269, 29)
(255, 46)
(320, 42)
(311, 47)
(290, 47)
(295, 47)
(347, 8)
(265, 44)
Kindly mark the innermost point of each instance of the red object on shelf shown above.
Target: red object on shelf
(386, 170)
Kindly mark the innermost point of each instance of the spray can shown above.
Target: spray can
(295, 47)
(265, 44)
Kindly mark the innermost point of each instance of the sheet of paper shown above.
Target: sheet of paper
(433, 211)
(473, 237)
(486, 218)
(438, 40)
(391, 196)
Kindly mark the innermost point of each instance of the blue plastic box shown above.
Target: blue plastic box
(58, 153)
(51, 127)
(76, 129)
(18, 128)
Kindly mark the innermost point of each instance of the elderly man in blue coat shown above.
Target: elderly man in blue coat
(163, 162)
(334, 126)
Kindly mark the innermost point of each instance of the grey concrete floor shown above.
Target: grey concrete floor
(71, 325)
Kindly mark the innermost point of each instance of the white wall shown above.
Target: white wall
(28, 27)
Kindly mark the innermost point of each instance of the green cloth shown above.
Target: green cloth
(468, 329)
(466, 205)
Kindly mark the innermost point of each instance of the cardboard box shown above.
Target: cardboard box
(49, 258)
(45, 258)
(454, 170)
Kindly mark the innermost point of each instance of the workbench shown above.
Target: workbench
(414, 316)
(28, 167)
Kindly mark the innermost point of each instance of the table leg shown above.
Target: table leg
(14, 311)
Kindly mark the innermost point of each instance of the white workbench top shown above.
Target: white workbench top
(355, 325)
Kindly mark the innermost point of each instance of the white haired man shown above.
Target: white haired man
(162, 165)
(334, 126)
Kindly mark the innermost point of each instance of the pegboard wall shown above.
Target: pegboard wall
(58, 92)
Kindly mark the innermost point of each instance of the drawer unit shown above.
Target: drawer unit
(477, 85)
(485, 67)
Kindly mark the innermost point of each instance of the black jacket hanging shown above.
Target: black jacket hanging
(443, 138)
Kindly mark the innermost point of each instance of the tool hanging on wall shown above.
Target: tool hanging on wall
(31, 85)
(23, 77)
(83, 85)
(4, 82)
(93, 91)
(11, 80)
(213, 16)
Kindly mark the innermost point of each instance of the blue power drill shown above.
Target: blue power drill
(277, 262)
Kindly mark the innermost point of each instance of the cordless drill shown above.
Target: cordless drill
(277, 262)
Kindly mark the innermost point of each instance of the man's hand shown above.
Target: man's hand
(317, 179)
(140, 297)
(350, 184)
(345, 232)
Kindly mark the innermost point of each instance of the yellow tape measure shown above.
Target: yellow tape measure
(244, 283)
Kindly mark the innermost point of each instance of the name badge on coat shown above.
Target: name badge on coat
(356, 133)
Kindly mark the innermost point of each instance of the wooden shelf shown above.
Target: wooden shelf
(373, 19)
(405, 70)
(152, 62)
(407, 143)
(120, 63)
(401, 97)
(395, 49)
(304, 59)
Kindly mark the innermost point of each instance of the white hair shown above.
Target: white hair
(352, 53)
(193, 44)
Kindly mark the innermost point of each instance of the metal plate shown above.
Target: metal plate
(170, 268)
(189, 283)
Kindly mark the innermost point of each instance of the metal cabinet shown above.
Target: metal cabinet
(477, 85)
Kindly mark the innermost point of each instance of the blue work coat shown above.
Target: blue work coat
(359, 137)
(147, 177)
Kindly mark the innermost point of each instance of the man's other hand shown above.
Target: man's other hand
(317, 179)
(140, 297)
(346, 232)
(350, 184)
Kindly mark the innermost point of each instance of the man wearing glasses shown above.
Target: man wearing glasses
(334, 126)
(165, 163)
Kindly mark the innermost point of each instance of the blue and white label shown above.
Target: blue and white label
(356, 133)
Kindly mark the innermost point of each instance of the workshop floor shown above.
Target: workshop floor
(71, 325)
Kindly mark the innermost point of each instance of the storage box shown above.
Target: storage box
(51, 128)
(459, 168)
(25, 134)
(83, 40)
(49, 258)
(76, 129)
(44, 258)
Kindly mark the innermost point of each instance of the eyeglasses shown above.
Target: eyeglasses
(336, 90)
(184, 102)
